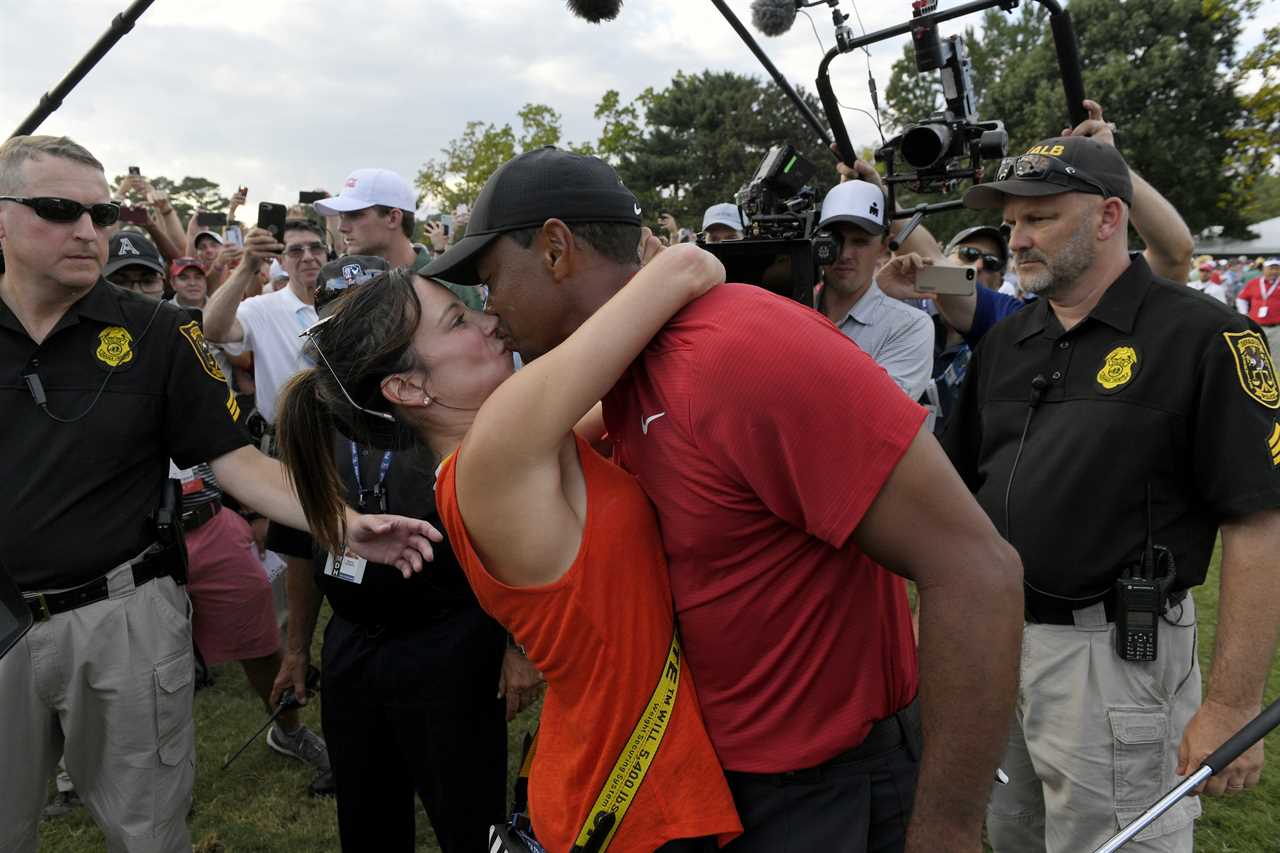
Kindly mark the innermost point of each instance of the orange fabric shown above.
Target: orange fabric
(599, 635)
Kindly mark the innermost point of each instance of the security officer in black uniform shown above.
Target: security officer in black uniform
(1110, 431)
(410, 668)
(101, 388)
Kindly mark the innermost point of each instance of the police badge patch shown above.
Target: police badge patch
(115, 346)
(1253, 366)
(1118, 369)
(191, 331)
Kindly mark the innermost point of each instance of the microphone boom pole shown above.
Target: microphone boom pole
(51, 100)
(790, 91)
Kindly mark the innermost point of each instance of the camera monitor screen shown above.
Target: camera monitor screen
(15, 616)
(784, 267)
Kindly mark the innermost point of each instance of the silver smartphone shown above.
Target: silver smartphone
(946, 279)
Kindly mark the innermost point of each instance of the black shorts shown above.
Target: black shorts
(290, 542)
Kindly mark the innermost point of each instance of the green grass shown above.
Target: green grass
(260, 804)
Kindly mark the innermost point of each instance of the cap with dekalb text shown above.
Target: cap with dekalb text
(526, 191)
(368, 187)
(1053, 166)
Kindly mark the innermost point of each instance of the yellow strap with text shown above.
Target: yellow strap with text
(637, 755)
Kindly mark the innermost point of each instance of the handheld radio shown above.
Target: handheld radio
(1140, 596)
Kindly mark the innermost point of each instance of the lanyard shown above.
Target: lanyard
(1267, 291)
(377, 491)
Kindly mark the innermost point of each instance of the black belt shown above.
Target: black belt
(45, 604)
(202, 514)
(1062, 613)
(885, 736)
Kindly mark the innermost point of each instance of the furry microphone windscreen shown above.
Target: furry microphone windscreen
(595, 11)
(773, 17)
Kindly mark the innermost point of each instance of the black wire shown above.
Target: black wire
(44, 407)
(875, 119)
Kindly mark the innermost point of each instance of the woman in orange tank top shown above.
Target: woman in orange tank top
(560, 545)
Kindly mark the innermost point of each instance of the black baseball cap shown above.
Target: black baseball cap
(526, 191)
(337, 276)
(1057, 165)
(131, 249)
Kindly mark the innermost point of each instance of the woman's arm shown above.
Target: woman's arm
(509, 483)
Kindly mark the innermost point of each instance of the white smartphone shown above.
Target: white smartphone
(946, 279)
(233, 236)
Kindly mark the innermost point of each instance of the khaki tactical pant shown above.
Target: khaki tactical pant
(108, 686)
(1094, 741)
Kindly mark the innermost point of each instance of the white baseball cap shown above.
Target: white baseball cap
(727, 214)
(367, 187)
(1272, 262)
(858, 202)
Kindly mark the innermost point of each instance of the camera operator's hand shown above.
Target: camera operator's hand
(520, 683)
(259, 244)
(1094, 126)
(861, 170)
(897, 278)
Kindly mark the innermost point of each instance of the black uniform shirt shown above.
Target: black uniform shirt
(385, 597)
(1160, 385)
(78, 498)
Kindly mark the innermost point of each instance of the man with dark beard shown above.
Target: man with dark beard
(1113, 415)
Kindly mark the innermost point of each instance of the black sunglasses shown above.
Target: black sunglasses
(65, 210)
(990, 263)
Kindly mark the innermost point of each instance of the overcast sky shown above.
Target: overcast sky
(284, 95)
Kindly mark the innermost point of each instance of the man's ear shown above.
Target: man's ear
(1113, 218)
(404, 389)
(558, 249)
(394, 217)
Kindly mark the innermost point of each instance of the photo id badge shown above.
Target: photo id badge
(347, 567)
(1262, 312)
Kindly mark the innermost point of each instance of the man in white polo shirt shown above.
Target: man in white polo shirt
(269, 326)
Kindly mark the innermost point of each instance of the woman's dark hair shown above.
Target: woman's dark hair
(367, 337)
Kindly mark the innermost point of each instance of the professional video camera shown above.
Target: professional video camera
(935, 146)
(782, 246)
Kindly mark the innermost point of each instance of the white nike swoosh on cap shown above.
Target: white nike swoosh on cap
(637, 210)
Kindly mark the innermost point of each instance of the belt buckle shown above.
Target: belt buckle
(41, 606)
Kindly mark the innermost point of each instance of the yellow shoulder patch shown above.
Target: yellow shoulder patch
(1254, 368)
(1118, 368)
(1273, 445)
(115, 346)
(204, 353)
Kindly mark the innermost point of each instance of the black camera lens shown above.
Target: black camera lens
(925, 145)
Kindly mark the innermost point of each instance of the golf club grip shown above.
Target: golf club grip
(1236, 745)
(1064, 42)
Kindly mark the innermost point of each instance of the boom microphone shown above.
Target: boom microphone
(595, 11)
(773, 17)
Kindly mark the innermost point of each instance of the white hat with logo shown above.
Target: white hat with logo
(364, 188)
(858, 202)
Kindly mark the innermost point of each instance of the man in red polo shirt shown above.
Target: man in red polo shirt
(1260, 299)
(786, 469)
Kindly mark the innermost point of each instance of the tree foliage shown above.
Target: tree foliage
(189, 194)
(1163, 71)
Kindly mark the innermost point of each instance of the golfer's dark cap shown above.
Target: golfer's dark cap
(525, 192)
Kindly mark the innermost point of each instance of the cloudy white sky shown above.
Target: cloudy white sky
(283, 95)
